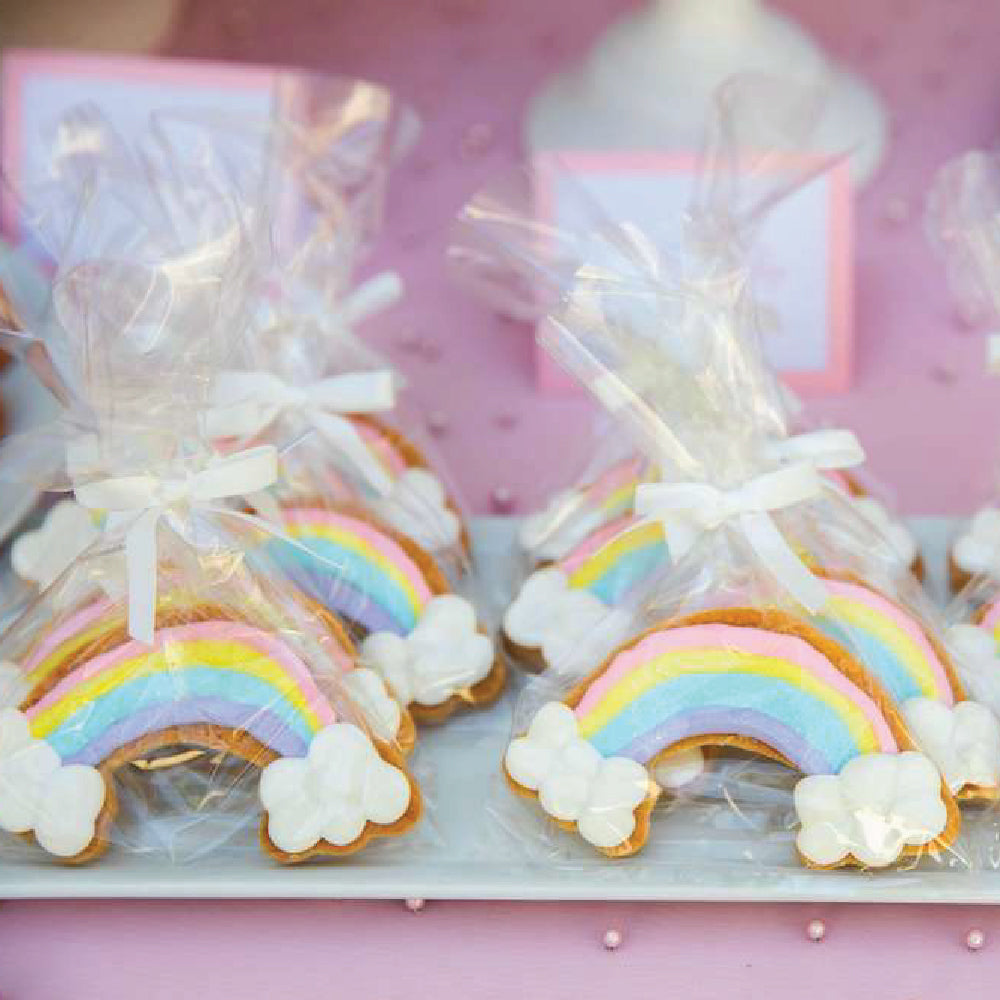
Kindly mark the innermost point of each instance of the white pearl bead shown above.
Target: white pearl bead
(415, 904)
(612, 939)
(816, 930)
(975, 939)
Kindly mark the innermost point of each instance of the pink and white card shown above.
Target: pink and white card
(39, 87)
(801, 260)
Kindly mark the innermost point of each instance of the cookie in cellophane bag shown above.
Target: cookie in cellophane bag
(167, 692)
(588, 548)
(394, 555)
(786, 633)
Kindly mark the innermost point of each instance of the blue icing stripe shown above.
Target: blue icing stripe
(89, 721)
(357, 577)
(627, 572)
(875, 655)
(817, 722)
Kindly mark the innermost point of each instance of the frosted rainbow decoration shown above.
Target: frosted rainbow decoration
(757, 681)
(707, 678)
(228, 674)
(86, 627)
(888, 640)
(990, 620)
(611, 561)
(363, 572)
(613, 492)
(383, 450)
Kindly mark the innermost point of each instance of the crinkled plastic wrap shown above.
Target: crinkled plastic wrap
(747, 675)
(167, 691)
(357, 486)
(963, 225)
(524, 265)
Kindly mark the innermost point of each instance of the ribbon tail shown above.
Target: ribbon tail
(342, 435)
(141, 566)
(784, 564)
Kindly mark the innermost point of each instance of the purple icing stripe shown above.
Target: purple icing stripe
(263, 725)
(745, 721)
(339, 596)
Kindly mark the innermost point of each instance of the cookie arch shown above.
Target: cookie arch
(762, 681)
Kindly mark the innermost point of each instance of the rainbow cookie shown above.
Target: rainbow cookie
(418, 504)
(763, 682)
(206, 682)
(572, 515)
(424, 640)
(562, 604)
(98, 626)
(917, 673)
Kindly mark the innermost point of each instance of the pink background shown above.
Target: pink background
(921, 404)
(467, 62)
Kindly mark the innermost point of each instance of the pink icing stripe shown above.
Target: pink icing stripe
(904, 622)
(382, 544)
(749, 640)
(617, 476)
(72, 626)
(991, 616)
(595, 541)
(221, 631)
(382, 446)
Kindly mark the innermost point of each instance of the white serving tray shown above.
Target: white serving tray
(466, 856)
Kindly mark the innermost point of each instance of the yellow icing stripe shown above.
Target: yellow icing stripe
(361, 548)
(622, 497)
(889, 634)
(216, 653)
(677, 662)
(606, 557)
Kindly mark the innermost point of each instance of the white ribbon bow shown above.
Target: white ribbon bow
(151, 497)
(749, 507)
(833, 448)
(244, 403)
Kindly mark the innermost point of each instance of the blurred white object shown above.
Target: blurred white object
(649, 80)
(40, 556)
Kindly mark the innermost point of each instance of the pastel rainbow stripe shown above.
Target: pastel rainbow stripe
(72, 636)
(361, 573)
(224, 673)
(991, 620)
(611, 561)
(716, 678)
(613, 492)
(887, 640)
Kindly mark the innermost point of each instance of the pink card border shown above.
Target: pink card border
(836, 376)
(17, 65)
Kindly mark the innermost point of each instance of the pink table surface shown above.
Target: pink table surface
(921, 404)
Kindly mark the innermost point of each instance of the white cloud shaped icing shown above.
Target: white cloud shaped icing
(443, 655)
(573, 781)
(418, 508)
(38, 794)
(977, 549)
(563, 523)
(369, 693)
(895, 532)
(963, 740)
(877, 805)
(330, 794)
(570, 626)
(40, 556)
(975, 650)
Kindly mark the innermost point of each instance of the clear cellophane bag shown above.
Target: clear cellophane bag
(169, 692)
(681, 720)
